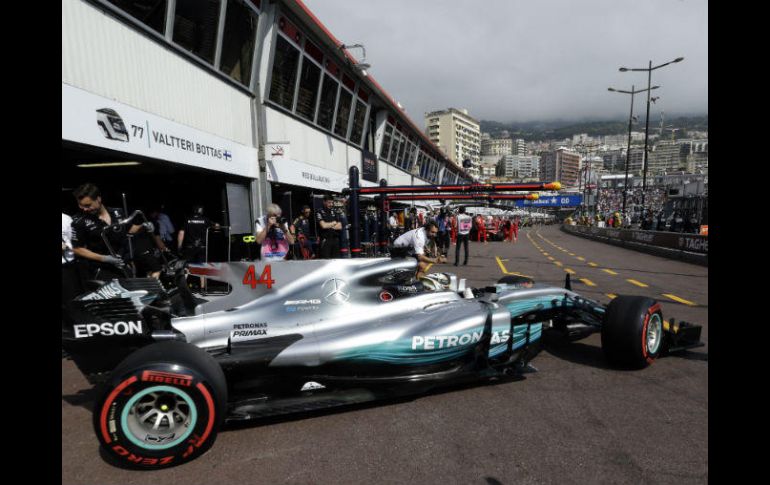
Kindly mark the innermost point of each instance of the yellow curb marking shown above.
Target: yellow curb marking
(637, 283)
(680, 300)
(609, 271)
(588, 282)
(505, 271)
(611, 295)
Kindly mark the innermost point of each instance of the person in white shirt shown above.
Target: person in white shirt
(422, 246)
(392, 226)
(464, 223)
(71, 285)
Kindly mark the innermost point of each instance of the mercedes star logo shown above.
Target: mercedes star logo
(336, 291)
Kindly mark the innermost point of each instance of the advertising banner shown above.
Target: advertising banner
(94, 120)
(552, 201)
(694, 243)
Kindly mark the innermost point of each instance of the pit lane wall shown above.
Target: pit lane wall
(691, 248)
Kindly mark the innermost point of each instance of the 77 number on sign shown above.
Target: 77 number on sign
(266, 278)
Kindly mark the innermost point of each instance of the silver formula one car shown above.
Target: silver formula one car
(294, 336)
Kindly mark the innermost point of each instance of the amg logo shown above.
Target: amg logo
(107, 329)
(314, 301)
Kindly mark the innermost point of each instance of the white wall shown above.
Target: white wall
(107, 57)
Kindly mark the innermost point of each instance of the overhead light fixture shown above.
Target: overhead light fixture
(108, 164)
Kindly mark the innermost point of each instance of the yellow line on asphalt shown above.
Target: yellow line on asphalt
(571, 254)
(551, 258)
(505, 271)
(609, 271)
(680, 300)
(557, 263)
(546, 254)
(637, 283)
(593, 264)
(588, 282)
(611, 295)
(570, 271)
(581, 258)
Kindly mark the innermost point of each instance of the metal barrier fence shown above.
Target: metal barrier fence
(688, 247)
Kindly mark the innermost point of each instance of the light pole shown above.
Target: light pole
(630, 118)
(649, 70)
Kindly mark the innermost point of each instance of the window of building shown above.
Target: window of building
(328, 102)
(238, 41)
(343, 113)
(151, 13)
(425, 167)
(436, 173)
(400, 161)
(195, 27)
(397, 142)
(386, 140)
(409, 156)
(307, 94)
(406, 163)
(284, 74)
(359, 120)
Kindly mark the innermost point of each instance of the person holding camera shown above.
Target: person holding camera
(273, 234)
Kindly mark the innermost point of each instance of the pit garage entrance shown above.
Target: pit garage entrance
(153, 184)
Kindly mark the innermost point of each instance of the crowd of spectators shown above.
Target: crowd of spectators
(611, 200)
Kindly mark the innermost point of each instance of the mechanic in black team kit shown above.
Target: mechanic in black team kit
(191, 240)
(330, 229)
(87, 242)
(300, 228)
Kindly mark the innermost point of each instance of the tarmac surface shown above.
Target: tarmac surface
(574, 421)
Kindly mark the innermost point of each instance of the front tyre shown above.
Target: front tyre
(163, 406)
(632, 331)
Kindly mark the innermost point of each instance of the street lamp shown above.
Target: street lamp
(649, 70)
(630, 119)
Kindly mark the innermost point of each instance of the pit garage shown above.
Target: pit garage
(149, 184)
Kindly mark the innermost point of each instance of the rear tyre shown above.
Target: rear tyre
(632, 331)
(163, 406)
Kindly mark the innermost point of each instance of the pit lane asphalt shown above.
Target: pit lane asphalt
(574, 421)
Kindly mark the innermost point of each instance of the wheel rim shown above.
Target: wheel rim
(159, 417)
(654, 333)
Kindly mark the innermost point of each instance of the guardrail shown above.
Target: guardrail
(692, 248)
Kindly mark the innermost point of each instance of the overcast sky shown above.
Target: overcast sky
(529, 60)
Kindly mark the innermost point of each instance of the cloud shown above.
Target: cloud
(528, 60)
